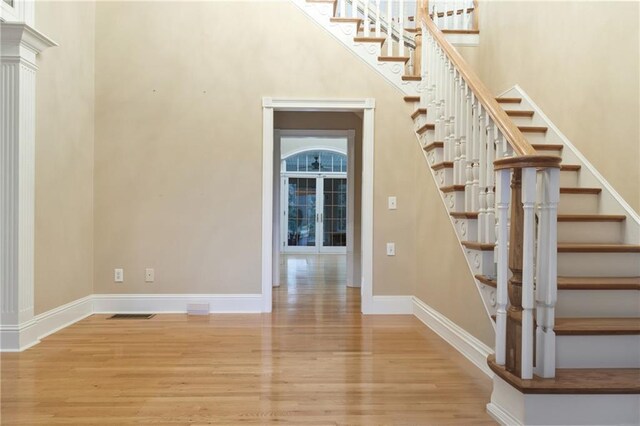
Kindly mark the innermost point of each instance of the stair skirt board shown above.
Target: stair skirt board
(509, 406)
(609, 351)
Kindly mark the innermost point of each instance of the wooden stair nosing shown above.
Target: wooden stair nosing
(547, 146)
(533, 129)
(413, 30)
(571, 190)
(464, 215)
(451, 12)
(621, 326)
(451, 188)
(519, 113)
(425, 127)
(379, 40)
(433, 145)
(460, 31)
(412, 98)
(591, 218)
(357, 21)
(597, 248)
(574, 380)
(418, 112)
(411, 78)
(474, 245)
(404, 59)
(509, 100)
(583, 283)
(443, 165)
(570, 167)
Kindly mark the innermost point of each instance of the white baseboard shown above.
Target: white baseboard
(24, 336)
(175, 303)
(501, 416)
(473, 349)
(388, 305)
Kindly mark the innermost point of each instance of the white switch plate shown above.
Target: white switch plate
(392, 203)
(391, 249)
(149, 275)
(118, 275)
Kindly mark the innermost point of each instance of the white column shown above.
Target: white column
(20, 45)
(528, 245)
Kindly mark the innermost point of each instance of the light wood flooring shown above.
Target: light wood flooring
(315, 361)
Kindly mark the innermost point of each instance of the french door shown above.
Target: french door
(314, 213)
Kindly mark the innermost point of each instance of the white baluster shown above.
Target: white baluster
(343, 8)
(528, 243)
(468, 186)
(424, 73)
(502, 256)
(490, 218)
(546, 274)
(475, 188)
(366, 22)
(378, 18)
(455, 134)
(482, 194)
(401, 28)
(435, 16)
(354, 9)
(389, 28)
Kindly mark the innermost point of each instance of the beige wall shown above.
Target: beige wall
(579, 61)
(64, 155)
(179, 134)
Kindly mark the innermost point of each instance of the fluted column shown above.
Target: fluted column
(19, 47)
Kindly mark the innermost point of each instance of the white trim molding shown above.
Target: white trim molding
(175, 303)
(469, 346)
(367, 106)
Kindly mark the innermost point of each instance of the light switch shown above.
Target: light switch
(391, 249)
(118, 275)
(392, 203)
(149, 275)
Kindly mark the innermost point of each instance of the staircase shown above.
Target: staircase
(553, 249)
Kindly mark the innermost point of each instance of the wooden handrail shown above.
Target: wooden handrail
(510, 131)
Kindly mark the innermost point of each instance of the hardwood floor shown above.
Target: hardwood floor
(314, 361)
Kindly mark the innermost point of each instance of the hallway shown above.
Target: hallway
(315, 360)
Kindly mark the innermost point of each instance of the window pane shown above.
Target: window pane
(317, 161)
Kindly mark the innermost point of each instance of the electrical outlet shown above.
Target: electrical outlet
(391, 249)
(392, 203)
(149, 275)
(118, 275)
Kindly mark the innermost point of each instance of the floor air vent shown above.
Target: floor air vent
(132, 316)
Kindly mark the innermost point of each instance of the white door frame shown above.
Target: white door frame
(269, 105)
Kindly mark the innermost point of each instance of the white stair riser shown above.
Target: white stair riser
(521, 121)
(568, 179)
(427, 137)
(454, 201)
(549, 151)
(435, 156)
(611, 351)
(590, 232)
(599, 264)
(578, 204)
(534, 137)
(481, 261)
(467, 229)
(598, 303)
(444, 177)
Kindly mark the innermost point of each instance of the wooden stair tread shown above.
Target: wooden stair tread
(464, 215)
(419, 111)
(425, 127)
(583, 283)
(478, 246)
(570, 167)
(509, 100)
(547, 146)
(357, 21)
(451, 13)
(413, 30)
(443, 165)
(433, 145)
(568, 190)
(591, 218)
(379, 40)
(519, 113)
(412, 98)
(575, 380)
(597, 248)
(393, 58)
(411, 78)
(533, 129)
(596, 326)
(460, 31)
(452, 188)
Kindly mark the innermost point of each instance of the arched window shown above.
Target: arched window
(317, 161)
